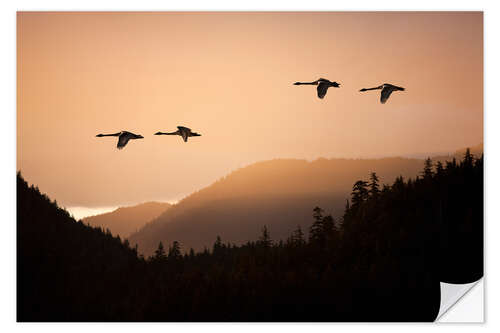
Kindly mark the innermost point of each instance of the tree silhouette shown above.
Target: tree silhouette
(217, 245)
(160, 252)
(374, 185)
(359, 193)
(427, 172)
(265, 239)
(174, 252)
(439, 168)
(468, 158)
(323, 229)
(316, 234)
(297, 238)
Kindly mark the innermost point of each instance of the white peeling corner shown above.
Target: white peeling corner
(461, 303)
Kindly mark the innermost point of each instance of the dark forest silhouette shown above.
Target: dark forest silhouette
(381, 261)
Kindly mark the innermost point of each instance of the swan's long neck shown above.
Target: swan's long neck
(379, 87)
(115, 134)
(167, 133)
(310, 83)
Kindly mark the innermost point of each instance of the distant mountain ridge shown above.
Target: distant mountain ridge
(476, 150)
(125, 220)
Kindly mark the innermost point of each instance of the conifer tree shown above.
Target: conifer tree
(439, 168)
(217, 245)
(374, 185)
(265, 238)
(316, 231)
(359, 193)
(297, 237)
(174, 252)
(468, 158)
(160, 252)
(427, 172)
(329, 228)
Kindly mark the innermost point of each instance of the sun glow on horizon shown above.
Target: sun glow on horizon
(79, 212)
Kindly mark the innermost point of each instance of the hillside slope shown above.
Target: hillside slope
(277, 193)
(126, 220)
(67, 271)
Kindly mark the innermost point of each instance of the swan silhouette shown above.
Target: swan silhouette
(387, 90)
(323, 85)
(123, 138)
(182, 131)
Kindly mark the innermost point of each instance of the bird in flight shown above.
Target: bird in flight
(387, 90)
(182, 131)
(323, 85)
(123, 138)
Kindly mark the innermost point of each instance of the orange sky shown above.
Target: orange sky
(229, 77)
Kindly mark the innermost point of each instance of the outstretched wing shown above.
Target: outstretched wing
(384, 95)
(322, 89)
(122, 140)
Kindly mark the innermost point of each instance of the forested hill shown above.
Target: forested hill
(381, 261)
(278, 192)
(65, 269)
(125, 220)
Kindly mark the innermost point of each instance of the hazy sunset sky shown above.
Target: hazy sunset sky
(229, 76)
